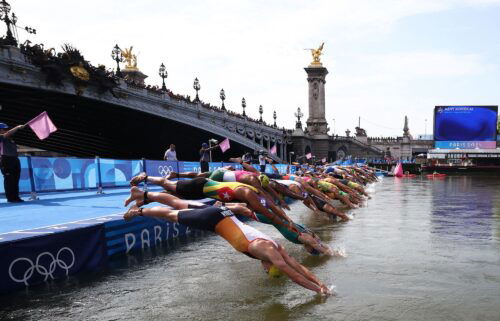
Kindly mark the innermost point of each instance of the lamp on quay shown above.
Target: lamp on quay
(162, 72)
(116, 55)
(9, 19)
(222, 97)
(261, 111)
(197, 87)
(274, 116)
(244, 105)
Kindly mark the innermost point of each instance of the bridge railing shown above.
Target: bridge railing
(57, 174)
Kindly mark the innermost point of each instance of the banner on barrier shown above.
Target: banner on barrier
(161, 168)
(36, 260)
(117, 173)
(123, 237)
(58, 174)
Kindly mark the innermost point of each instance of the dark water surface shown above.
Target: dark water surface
(420, 250)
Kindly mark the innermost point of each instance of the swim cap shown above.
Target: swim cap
(4, 126)
(264, 180)
(274, 272)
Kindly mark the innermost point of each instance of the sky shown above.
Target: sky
(386, 58)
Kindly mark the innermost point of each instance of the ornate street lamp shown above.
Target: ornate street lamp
(298, 114)
(223, 97)
(244, 105)
(9, 19)
(163, 74)
(261, 111)
(116, 55)
(274, 116)
(197, 87)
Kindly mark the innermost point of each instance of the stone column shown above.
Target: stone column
(316, 123)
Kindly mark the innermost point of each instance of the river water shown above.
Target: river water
(420, 249)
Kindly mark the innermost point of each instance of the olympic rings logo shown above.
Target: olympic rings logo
(43, 270)
(165, 170)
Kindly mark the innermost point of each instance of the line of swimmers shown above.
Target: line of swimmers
(260, 197)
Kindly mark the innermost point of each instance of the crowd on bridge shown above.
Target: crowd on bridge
(246, 191)
(58, 66)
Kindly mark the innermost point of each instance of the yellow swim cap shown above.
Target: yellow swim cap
(264, 180)
(274, 272)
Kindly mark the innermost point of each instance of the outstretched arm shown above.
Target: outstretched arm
(12, 131)
(300, 268)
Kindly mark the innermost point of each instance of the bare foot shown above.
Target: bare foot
(132, 212)
(138, 179)
(135, 195)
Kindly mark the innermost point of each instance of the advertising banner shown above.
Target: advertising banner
(32, 261)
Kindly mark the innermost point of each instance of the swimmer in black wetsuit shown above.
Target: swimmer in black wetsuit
(242, 237)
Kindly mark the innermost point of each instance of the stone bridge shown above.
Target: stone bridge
(124, 124)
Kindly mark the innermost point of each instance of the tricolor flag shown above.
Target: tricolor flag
(42, 125)
(273, 150)
(309, 156)
(224, 145)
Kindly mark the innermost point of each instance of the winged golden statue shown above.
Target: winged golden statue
(316, 53)
(130, 59)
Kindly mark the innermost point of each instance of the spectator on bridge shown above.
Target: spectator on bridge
(9, 163)
(170, 154)
(205, 156)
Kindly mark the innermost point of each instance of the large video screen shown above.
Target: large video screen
(465, 127)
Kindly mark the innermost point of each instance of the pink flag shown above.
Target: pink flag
(224, 145)
(309, 156)
(42, 125)
(273, 150)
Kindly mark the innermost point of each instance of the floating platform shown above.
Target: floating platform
(72, 232)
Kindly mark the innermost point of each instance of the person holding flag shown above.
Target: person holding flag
(9, 162)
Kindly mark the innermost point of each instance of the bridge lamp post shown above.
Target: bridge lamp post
(9, 19)
(116, 55)
(197, 87)
(261, 111)
(222, 96)
(333, 126)
(244, 105)
(274, 117)
(162, 72)
(290, 154)
(299, 114)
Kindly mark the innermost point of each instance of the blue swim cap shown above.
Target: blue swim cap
(204, 145)
(4, 126)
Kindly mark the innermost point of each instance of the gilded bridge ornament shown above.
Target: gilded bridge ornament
(316, 54)
(80, 72)
(130, 59)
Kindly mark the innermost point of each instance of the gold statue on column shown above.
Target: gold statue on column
(130, 59)
(316, 54)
